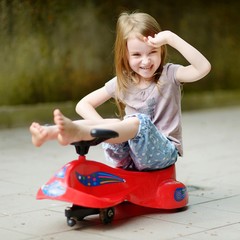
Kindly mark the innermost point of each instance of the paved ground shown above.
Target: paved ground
(210, 168)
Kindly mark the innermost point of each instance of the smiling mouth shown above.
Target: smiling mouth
(145, 68)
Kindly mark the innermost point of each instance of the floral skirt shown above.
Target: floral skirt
(148, 150)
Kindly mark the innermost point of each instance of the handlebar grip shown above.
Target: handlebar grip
(103, 133)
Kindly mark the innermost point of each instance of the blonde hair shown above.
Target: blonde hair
(132, 24)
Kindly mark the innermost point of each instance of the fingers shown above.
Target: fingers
(149, 40)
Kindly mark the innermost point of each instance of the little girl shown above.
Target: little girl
(146, 89)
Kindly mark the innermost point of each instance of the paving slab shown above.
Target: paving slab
(210, 168)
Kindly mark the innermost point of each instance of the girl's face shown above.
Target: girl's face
(143, 59)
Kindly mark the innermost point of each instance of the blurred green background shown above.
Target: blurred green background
(56, 51)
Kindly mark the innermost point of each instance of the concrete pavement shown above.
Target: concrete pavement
(210, 168)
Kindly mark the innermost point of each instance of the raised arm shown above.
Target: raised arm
(199, 65)
(86, 106)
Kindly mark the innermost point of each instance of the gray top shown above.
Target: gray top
(161, 102)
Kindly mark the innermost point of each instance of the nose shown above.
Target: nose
(145, 60)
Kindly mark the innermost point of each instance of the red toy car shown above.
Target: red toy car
(95, 188)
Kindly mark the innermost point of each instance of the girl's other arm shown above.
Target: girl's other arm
(199, 65)
(86, 106)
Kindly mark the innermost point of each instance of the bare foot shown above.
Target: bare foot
(69, 132)
(39, 134)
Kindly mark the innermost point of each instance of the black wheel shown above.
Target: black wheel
(106, 215)
(71, 222)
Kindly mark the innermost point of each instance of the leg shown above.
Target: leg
(41, 134)
(150, 149)
(71, 132)
(118, 154)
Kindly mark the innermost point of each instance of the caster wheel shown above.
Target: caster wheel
(71, 222)
(106, 215)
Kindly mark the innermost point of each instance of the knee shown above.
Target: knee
(143, 120)
(134, 120)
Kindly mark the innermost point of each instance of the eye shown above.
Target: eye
(153, 52)
(135, 54)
